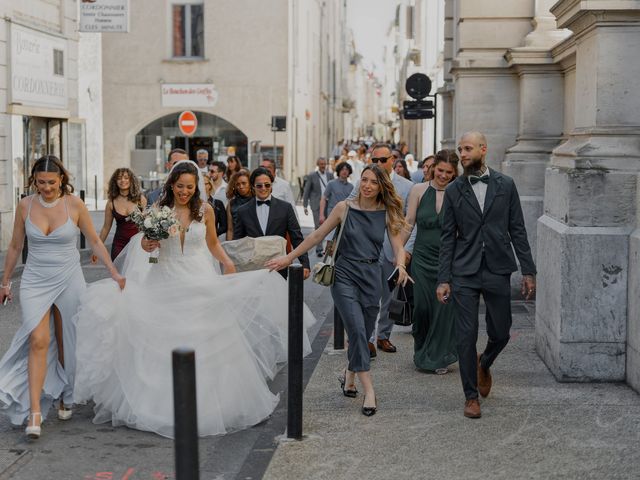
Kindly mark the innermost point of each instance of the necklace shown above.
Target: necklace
(48, 204)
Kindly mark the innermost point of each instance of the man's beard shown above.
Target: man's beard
(474, 168)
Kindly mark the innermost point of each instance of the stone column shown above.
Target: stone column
(447, 91)
(541, 112)
(486, 89)
(591, 203)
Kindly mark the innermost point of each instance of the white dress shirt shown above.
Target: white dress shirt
(221, 193)
(263, 214)
(282, 191)
(480, 189)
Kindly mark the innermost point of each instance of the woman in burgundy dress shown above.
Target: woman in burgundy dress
(125, 196)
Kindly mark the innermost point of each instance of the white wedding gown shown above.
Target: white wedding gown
(237, 325)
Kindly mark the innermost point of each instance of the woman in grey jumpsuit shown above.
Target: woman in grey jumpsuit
(356, 290)
(39, 366)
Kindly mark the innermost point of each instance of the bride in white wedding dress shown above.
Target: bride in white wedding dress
(237, 325)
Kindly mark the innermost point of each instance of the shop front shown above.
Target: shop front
(213, 134)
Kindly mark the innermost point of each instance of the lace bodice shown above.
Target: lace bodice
(194, 243)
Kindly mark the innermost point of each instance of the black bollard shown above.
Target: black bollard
(83, 241)
(185, 414)
(296, 326)
(25, 245)
(338, 331)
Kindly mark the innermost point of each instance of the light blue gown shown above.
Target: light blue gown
(52, 276)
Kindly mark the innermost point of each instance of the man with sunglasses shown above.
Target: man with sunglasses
(267, 215)
(216, 174)
(382, 154)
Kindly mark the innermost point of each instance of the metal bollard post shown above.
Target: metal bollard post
(83, 241)
(185, 414)
(338, 331)
(294, 389)
(25, 245)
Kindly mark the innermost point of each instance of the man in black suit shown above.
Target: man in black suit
(313, 190)
(482, 221)
(266, 215)
(174, 157)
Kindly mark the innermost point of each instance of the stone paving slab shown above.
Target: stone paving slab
(532, 426)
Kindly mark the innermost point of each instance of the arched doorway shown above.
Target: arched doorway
(214, 134)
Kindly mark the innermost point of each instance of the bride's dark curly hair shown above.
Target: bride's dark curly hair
(168, 198)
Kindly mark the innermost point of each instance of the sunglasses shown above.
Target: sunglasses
(381, 159)
(262, 185)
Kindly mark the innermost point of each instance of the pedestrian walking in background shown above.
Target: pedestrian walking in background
(337, 190)
(280, 188)
(423, 174)
(124, 196)
(381, 155)
(315, 187)
(216, 172)
(38, 369)
(412, 165)
(202, 159)
(233, 166)
(433, 322)
(174, 156)
(357, 165)
(267, 215)
(482, 225)
(219, 210)
(400, 167)
(239, 192)
(357, 287)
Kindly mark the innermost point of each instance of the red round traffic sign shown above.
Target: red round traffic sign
(188, 123)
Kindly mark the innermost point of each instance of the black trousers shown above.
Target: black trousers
(496, 291)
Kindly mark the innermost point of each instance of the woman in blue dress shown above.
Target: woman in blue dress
(357, 288)
(39, 366)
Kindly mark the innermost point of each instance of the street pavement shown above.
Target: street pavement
(532, 427)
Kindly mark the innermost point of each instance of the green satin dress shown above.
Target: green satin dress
(433, 322)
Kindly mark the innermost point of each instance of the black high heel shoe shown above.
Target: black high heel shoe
(343, 380)
(369, 411)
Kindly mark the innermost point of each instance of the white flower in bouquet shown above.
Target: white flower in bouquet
(156, 224)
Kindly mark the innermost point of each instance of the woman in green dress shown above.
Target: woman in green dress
(433, 322)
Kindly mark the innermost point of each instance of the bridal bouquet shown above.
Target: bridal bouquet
(156, 224)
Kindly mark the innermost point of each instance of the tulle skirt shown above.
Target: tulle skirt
(237, 325)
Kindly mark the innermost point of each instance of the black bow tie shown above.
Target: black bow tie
(484, 179)
(264, 202)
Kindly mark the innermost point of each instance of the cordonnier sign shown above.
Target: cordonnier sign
(104, 16)
(189, 95)
(38, 69)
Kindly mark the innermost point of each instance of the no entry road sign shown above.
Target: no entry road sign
(188, 123)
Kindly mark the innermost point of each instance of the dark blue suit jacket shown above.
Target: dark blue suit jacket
(466, 228)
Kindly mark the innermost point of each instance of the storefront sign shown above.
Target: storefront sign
(189, 95)
(38, 68)
(109, 16)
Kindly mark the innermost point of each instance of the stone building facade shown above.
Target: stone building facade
(252, 59)
(553, 85)
(38, 96)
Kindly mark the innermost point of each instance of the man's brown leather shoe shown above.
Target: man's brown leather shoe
(386, 346)
(372, 350)
(472, 408)
(484, 380)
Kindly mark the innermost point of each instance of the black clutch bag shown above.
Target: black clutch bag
(400, 310)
